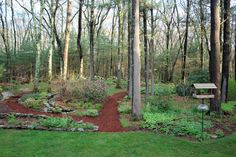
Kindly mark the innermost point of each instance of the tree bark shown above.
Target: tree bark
(202, 21)
(136, 98)
(146, 55)
(129, 50)
(79, 47)
(152, 51)
(214, 62)
(226, 51)
(52, 40)
(91, 40)
(67, 40)
(120, 21)
(185, 44)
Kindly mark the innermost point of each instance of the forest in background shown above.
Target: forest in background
(48, 40)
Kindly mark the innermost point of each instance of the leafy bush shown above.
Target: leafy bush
(184, 89)
(152, 119)
(232, 90)
(124, 107)
(169, 123)
(199, 76)
(158, 103)
(32, 103)
(87, 90)
(36, 96)
(162, 89)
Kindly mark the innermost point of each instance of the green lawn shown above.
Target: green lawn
(65, 144)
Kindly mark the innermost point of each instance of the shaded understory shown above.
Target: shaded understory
(37, 143)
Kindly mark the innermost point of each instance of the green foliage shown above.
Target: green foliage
(152, 119)
(12, 120)
(170, 123)
(219, 133)
(199, 76)
(228, 107)
(36, 96)
(88, 112)
(124, 107)
(34, 101)
(161, 89)
(184, 89)
(125, 123)
(232, 90)
(1, 70)
(52, 122)
(158, 103)
(56, 122)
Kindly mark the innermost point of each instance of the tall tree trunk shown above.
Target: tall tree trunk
(226, 51)
(136, 98)
(146, 56)
(38, 41)
(120, 21)
(79, 47)
(112, 39)
(91, 40)
(52, 40)
(214, 62)
(235, 47)
(152, 51)
(67, 40)
(14, 28)
(202, 21)
(185, 43)
(130, 65)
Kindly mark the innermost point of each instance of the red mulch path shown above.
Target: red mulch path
(108, 119)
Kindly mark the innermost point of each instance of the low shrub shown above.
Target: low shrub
(124, 107)
(53, 122)
(184, 89)
(171, 124)
(232, 90)
(158, 103)
(32, 103)
(56, 122)
(95, 91)
(162, 89)
(152, 119)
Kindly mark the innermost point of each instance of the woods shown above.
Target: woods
(137, 42)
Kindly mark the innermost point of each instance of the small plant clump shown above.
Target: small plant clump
(125, 107)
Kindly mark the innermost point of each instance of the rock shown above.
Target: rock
(213, 136)
(80, 129)
(6, 95)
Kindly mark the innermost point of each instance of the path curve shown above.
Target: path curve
(108, 119)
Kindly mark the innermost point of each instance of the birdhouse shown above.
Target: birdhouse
(204, 90)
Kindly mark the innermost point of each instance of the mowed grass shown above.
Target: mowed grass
(15, 143)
